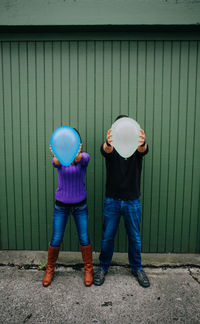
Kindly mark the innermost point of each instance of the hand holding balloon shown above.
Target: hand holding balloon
(109, 137)
(55, 160)
(142, 147)
(143, 137)
(108, 147)
(79, 156)
(51, 150)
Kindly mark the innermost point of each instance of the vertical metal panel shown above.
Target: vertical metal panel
(17, 172)
(164, 144)
(6, 59)
(194, 233)
(32, 123)
(149, 129)
(173, 145)
(99, 136)
(3, 182)
(189, 142)
(86, 84)
(41, 89)
(87, 117)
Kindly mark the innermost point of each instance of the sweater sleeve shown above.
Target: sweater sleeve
(56, 165)
(85, 159)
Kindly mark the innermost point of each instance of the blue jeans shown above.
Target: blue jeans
(131, 211)
(60, 217)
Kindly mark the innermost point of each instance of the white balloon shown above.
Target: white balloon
(125, 136)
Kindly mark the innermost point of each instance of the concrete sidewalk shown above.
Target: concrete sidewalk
(173, 297)
(74, 258)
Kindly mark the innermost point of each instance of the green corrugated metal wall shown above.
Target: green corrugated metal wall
(86, 84)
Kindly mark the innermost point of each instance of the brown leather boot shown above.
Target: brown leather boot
(51, 263)
(88, 267)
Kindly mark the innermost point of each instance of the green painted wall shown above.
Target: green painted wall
(86, 83)
(99, 12)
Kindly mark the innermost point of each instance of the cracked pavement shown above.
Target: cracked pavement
(174, 297)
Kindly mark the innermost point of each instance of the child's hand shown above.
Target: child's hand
(51, 150)
(79, 156)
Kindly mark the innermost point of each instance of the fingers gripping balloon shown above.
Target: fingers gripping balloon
(125, 136)
(65, 144)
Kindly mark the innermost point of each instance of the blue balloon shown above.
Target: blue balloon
(65, 144)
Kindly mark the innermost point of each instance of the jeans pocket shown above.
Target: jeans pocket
(136, 203)
(108, 201)
(59, 208)
(81, 207)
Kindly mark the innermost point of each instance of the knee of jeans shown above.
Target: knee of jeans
(55, 241)
(109, 234)
(107, 240)
(84, 240)
(135, 239)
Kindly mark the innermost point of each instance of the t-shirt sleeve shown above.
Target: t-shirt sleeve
(56, 165)
(85, 159)
(141, 154)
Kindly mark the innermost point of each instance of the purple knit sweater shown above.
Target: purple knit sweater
(71, 181)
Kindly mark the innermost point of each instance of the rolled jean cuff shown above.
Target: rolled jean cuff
(136, 268)
(104, 267)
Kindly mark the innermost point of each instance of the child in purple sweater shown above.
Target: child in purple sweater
(70, 199)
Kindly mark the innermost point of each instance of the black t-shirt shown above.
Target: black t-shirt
(123, 175)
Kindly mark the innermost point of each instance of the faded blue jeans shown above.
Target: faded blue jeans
(60, 217)
(131, 211)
